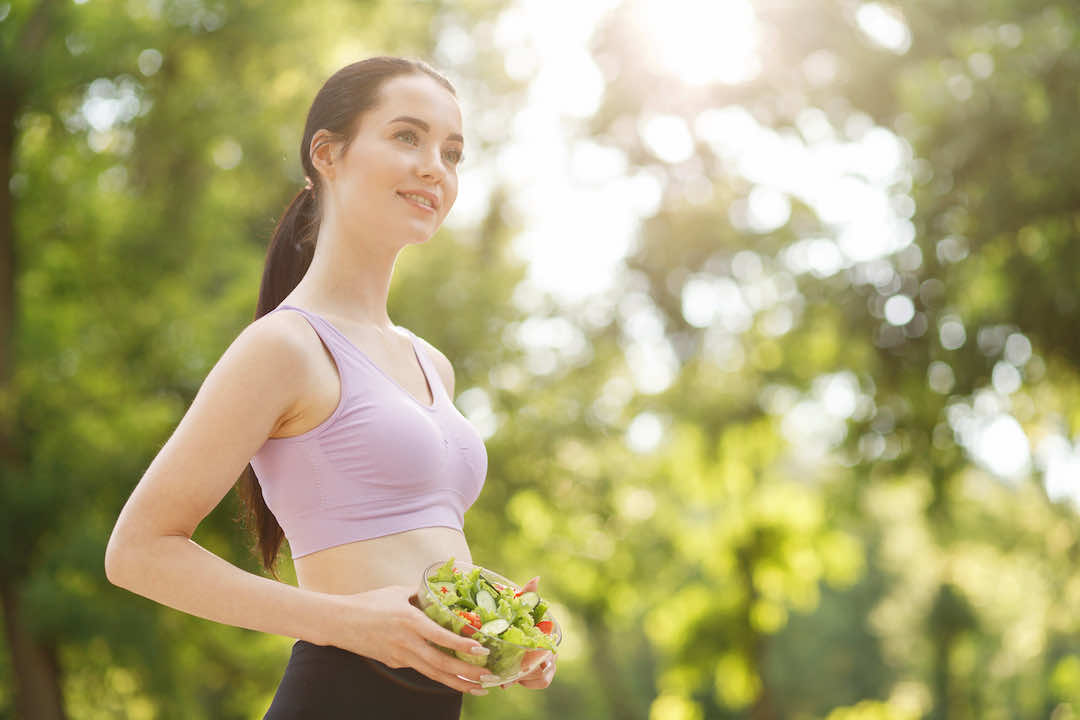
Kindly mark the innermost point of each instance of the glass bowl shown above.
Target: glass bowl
(507, 660)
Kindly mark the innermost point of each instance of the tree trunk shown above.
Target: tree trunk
(9, 101)
(7, 241)
(606, 669)
(35, 666)
(762, 708)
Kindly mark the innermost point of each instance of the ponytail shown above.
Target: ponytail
(292, 247)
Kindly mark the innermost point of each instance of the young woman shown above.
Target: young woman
(341, 422)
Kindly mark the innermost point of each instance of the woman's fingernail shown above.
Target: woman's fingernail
(479, 650)
(478, 691)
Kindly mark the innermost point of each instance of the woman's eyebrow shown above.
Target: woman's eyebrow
(421, 124)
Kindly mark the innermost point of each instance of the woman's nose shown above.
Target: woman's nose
(431, 167)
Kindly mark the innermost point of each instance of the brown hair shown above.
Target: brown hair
(337, 107)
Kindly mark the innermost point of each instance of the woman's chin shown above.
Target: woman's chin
(419, 238)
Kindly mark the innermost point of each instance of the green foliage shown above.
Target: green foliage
(870, 710)
(734, 570)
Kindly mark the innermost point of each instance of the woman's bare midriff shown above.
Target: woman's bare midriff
(397, 559)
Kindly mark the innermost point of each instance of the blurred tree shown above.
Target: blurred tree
(981, 98)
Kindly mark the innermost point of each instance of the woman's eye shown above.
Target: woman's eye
(455, 156)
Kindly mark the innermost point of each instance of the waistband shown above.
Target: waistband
(407, 677)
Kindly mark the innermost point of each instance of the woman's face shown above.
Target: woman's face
(408, 145)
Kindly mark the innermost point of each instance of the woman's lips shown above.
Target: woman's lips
(416, 204)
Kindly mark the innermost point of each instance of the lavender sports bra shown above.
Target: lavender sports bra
(382, 463)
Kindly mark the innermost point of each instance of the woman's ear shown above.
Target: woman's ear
(322, 152)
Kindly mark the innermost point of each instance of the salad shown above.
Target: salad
(509, 623)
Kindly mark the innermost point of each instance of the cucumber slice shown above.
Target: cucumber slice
(529, 599)
(485, 600)
(495, 626)
(495, 592)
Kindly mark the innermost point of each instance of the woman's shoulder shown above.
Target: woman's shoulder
(281, 342)
(283, 331)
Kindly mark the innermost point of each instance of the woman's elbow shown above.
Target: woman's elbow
(116, 560)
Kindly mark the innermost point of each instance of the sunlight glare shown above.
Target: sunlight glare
(645, 432)
(1060, 462)
(667, 137)
(702, 41)
(1003, 447)
(885, 26)
(767, 209)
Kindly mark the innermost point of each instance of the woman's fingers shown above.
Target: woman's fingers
(453, 664)
(538, 679)
(441, 636)
(446, 668)
(434, 634)
(447, 679)
(392, 629)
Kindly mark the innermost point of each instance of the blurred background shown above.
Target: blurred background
(767, 312)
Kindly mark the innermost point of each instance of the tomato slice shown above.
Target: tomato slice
(472, 618)
(545, 626)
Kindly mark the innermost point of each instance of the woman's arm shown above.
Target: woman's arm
(178, 572)
(254, 386)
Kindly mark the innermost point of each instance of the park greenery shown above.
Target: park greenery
(834, 520)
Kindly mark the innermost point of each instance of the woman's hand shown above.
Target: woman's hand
(539, 678)
(386, 625)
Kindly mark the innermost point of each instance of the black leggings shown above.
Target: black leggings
(328, 683)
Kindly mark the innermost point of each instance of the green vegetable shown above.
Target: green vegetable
(495, 627)
(508, 618)
(485, 600)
